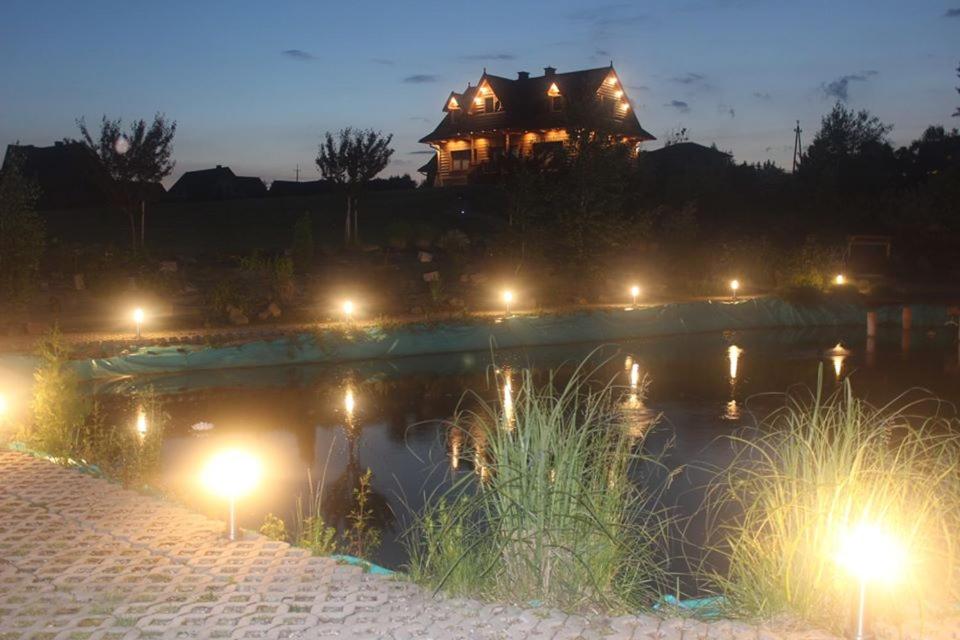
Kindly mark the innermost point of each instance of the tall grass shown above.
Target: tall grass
(552, 514)
(815, 470)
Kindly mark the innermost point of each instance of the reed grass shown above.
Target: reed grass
(552, 515)
(815, 469)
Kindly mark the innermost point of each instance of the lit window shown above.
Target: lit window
(460, 160)
(453, 104)
(554, 90)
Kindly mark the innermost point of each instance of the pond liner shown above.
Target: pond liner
(374, 342)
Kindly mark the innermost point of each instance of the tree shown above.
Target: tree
(22, 238)
(956, 114)
(134, 161)
(302, 250)
(850, 156)
(351, 161)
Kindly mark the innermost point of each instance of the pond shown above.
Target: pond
(330, 423)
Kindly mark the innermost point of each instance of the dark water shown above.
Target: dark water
(297, 418)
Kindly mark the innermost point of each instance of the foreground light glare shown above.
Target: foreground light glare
(4, 407)
(734, 285)
(839, 280)
(507, 296)
(141, 423)
(232, 474)
(138, 319)
(635, 293)
(870, 554)
(348, 308)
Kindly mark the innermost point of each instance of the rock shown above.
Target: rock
(478, 278)
(237, 316)
(424, 256)
(272, 311)
(457, 303)
(78, 282)
(464, 278)
(431, 276)
(168, 266)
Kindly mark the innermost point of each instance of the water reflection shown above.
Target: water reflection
(456, 444)
(731, 410)
(733, 354)
(508, 413)
(637, 417)
(837, 356)
(141, 423)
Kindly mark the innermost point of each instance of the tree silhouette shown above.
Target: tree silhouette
(956, 114)
(134, 161)
(22, 238)
(352, 160)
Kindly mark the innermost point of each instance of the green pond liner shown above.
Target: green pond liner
(366, 565)
(710, 608)
(522, 330)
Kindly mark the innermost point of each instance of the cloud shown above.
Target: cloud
(420, 78)
(952, 13)
(689, 78)
(839, 89)
(489, 56)
(762, 95)
(679, 105)
(621, 14)
(384, 61)
(298, 54)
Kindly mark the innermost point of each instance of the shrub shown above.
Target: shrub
(816, 469)
(554, 516)
(274, 528)
(302, 251)
(60, 410)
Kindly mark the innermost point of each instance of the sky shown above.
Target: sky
(254, 85)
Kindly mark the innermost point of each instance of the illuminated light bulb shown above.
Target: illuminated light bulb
(138, 316)
(348, 308)
(611, 80)
(734, 287)
(733, 354)
(232, 474)
(507, 300)
(635, 293)
(870, 554)
(839, 280)
(634, 376)
(618, 93)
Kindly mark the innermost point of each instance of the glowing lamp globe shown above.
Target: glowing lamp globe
(232, 474)
(840, 280)
(508, 296)
(734, 285)
(871, 554)
(348, 308)
(138, 315)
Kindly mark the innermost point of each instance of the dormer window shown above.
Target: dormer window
(453, 104)
(612, 80)
(554, 90)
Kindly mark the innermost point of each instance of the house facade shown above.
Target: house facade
(501, 117)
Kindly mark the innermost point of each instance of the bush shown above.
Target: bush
(815, 470)
(554, 516)
(302, 251)
(60, 411)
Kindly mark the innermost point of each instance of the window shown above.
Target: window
(556, 103)
(460, 160)
(547, 149)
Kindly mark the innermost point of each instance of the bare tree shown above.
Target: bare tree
(351, 160)
(134, 161)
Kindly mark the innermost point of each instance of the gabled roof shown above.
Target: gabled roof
(68, 174)
(526, 106)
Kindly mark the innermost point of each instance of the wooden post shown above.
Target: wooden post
(871, 324)
(907, 318)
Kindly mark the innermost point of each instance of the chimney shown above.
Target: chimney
(549, 71)
(523, 75)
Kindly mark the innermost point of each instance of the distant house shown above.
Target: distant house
(67, 173)
(502, 117)
(219, 183)
(688, 155)
(296, 188)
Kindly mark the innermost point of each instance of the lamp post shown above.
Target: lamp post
(869, 554)
(507, 300)
(635, 293)
(232, 474)
(734, 287)
(138, 320)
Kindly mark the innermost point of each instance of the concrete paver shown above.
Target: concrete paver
(84, 559)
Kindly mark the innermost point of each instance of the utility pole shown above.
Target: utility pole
(298, 172)
(797, 148)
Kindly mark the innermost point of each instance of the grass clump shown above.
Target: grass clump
(814, 471)
(68, 426)
(552, 515)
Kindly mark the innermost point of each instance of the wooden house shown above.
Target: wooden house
(527, 115)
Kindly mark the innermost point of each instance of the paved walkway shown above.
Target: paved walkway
(83, 559)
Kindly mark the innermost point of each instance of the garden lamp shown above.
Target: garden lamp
(870, 554)
(507, 300)
(232, 474)
(138, 319)
(348, 309)
(734, 287)
(840, 280)
(635, 293)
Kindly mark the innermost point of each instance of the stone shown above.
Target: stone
(424, 256)
(237, 316)
(168, 266)
(431, 276)
(272, 311)
(478, 278)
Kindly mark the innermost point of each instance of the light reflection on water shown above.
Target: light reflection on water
(390, 416)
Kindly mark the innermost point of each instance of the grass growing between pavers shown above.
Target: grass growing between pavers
(816, 470)
(552, 515)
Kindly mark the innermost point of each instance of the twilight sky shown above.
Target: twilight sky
(253, 85)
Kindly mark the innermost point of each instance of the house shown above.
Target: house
(527, 115)
(219, 183)
(688, 154)
(67, 174)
